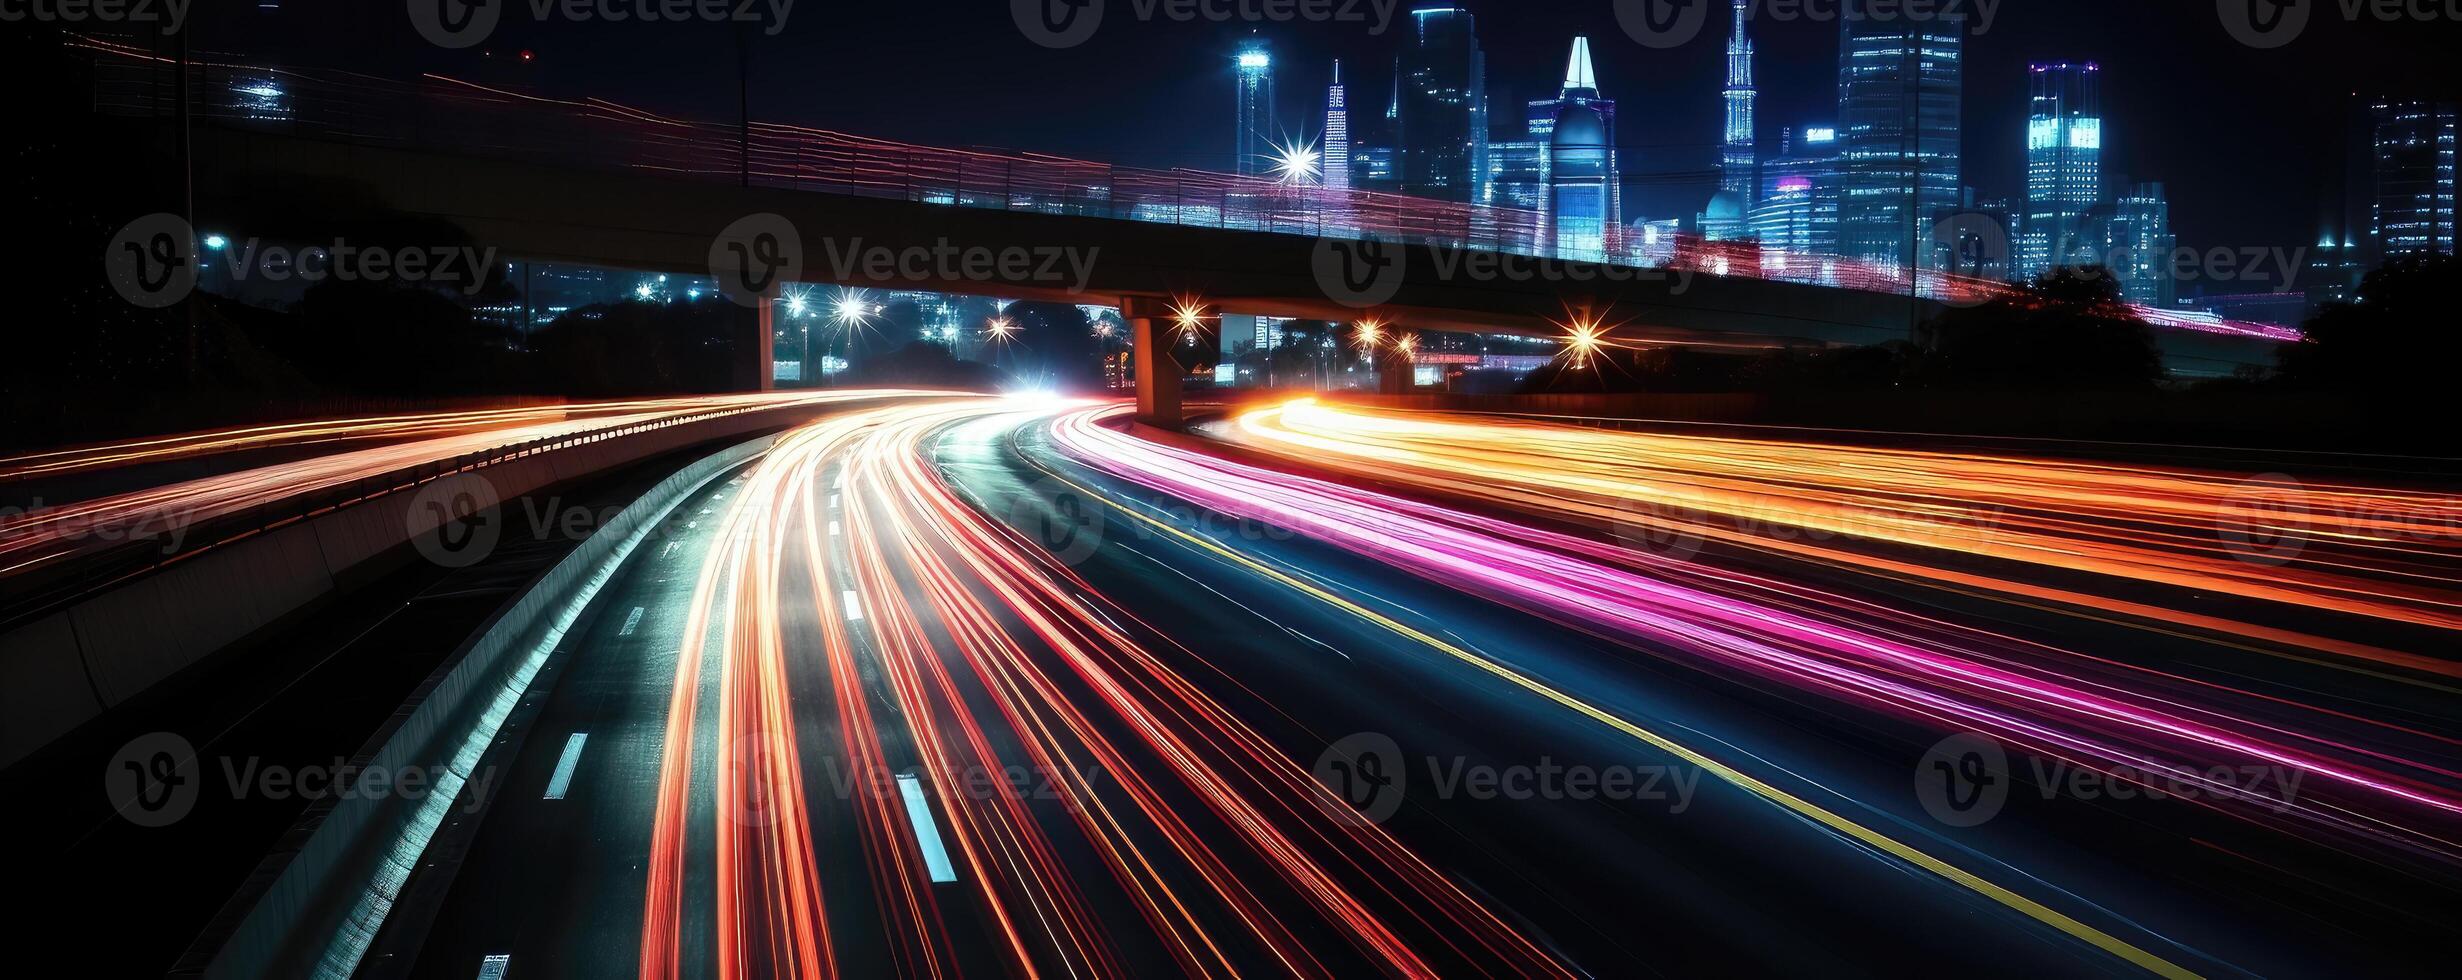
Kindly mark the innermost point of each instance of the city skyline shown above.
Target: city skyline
(2173, 56)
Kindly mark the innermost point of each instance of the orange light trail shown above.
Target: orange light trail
(2375, 552)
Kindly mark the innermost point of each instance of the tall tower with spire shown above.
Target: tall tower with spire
(1737, 160)
(1584, 210)
(1337, 133)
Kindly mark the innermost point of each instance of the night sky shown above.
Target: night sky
(2248, 140)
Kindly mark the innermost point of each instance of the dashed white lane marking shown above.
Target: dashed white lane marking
(565, 764)
(927, 831)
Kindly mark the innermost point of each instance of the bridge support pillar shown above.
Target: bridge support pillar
(756, 365)
(1393, 371)
(1158, 371)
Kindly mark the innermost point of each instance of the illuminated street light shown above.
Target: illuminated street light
(1584, 337)
(1000, 327)
(1297, 163)
(1367, 333)
(1187, 318)
(852, 308)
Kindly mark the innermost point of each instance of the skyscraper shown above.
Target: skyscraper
(2138, 245)
(1736, 163)
(1253, 141)
(1441, 113)
(1898, 107)
(2413, 210)
(1517, 172)
(1337, 163)
(1584, 211)
(2064, 165)
(1798, 209)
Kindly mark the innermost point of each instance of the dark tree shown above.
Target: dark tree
(635, 348)
(2397, 341)
(2066, 331)
(926, 364)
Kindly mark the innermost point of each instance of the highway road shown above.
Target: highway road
(994, 688)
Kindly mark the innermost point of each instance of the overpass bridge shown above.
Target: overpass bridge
(593, 182)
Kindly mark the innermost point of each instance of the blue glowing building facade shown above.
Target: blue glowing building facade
(1584, 206)
(1337, 162)
(2064, 167)
(1899, 101)
(1440, 123)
